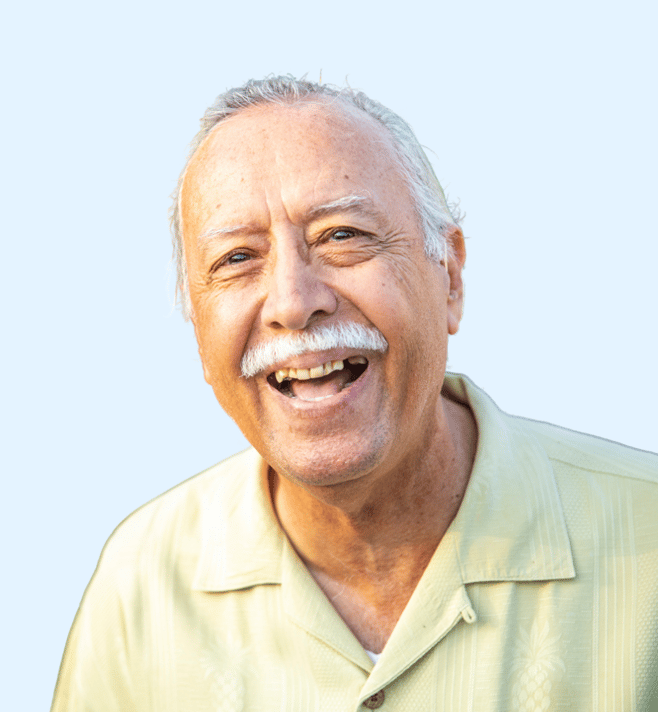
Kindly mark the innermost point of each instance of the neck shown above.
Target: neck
(367, 542)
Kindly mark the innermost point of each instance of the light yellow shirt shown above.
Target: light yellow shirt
(543, 595)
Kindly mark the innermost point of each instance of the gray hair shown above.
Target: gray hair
(434, 215)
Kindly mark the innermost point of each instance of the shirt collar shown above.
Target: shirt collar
(510, 526)
(242, 544)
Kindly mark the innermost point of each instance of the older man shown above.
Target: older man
(392, 540)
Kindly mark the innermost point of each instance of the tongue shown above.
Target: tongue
(320, 387)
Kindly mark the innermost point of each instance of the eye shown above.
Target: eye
(342, 233)
(236, 258)
(233, 259)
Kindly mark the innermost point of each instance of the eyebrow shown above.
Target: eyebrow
(359, 204)
(349, 204)
(214, 232)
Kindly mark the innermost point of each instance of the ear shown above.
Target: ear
(455, 258)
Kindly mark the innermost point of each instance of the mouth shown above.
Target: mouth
(322, 381)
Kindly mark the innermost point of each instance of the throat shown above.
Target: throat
(371, 613)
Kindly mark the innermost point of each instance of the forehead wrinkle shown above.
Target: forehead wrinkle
(357, 204)
(335, 118)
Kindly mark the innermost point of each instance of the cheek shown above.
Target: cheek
(222, 328)
(399, 300)
(226, 324)
(233, 393)
(410, 310)
(374, 289)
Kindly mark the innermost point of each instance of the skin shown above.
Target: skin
(365, 482)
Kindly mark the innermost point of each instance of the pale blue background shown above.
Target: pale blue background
(542, 118)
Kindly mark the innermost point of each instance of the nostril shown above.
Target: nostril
(297, 300)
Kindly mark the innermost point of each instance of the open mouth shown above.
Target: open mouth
(322, 381)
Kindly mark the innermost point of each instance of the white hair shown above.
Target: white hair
(266, 355)
(435, 217)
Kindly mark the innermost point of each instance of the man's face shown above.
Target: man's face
(296, 217)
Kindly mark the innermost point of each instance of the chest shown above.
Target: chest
(530, 646)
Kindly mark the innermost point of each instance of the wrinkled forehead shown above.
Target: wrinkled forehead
(310, 145)
(327, 128)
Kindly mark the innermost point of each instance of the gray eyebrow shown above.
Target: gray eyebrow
(348, 203)
(208, 235)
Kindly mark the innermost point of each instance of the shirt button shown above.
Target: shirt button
(374, 701)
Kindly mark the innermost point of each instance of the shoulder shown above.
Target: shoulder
(609, 491)
(138, 597)
(170, 526)
(567, 450)
(592, 454)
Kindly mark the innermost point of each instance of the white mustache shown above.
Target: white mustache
(322, 338)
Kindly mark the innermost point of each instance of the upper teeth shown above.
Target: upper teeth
(324, 369)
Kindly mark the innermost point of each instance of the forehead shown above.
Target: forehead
(308, 151)
(325, 128)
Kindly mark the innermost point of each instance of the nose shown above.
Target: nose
(297, 294)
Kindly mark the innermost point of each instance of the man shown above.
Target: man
(393, 540)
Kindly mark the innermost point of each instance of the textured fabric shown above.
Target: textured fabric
(543, 595)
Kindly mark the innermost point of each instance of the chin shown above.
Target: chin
(327, 464)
